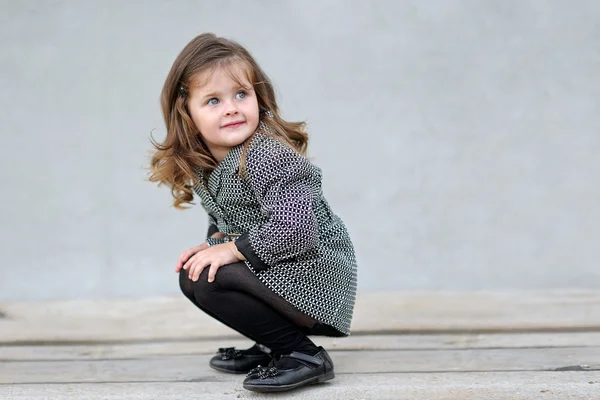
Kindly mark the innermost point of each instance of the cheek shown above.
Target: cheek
(203, 121)
(196, 118)
(251, 112)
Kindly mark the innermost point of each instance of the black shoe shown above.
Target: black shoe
(309, 369)
(238, 361)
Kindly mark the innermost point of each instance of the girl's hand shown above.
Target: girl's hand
(185, 256)
(215, 256)
(190, 252)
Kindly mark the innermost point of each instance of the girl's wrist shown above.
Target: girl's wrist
(236, 252)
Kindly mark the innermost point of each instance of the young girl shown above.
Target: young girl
(277, 264)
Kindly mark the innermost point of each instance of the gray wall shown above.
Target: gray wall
(458, 139)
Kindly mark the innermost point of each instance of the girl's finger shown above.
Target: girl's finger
(183, 258)
(189, 262)
(191, 271)
(190, 252)
(212, 272)
(198, 268)
(180, 262)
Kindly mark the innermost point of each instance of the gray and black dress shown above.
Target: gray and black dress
(283, 225)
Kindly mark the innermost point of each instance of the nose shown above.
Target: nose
(231, 109)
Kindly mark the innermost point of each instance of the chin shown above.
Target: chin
(242, 136)
(233, 141)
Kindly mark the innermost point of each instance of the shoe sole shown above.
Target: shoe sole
(282, 388)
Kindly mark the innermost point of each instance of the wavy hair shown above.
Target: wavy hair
(175, 160)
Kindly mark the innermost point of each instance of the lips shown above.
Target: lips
(233, 124)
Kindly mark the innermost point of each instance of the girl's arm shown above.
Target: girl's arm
(285, 184)
(213, 236)
(212, 227)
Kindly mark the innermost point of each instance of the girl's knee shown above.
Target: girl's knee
(196, 290)
(186, 284)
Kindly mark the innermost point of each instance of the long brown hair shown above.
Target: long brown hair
(175, 161)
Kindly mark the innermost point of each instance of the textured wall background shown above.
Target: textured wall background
(458, 139)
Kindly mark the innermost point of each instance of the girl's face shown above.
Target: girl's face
(225, 112)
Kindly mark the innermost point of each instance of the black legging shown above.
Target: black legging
(238, 299)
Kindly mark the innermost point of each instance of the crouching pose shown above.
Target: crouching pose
(277, 264)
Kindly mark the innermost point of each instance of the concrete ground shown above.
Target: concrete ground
(518, 345)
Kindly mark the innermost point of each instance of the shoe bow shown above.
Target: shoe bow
(264, 372)
(229, 353)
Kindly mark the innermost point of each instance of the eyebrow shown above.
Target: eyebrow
(211, 94)
(217, 93)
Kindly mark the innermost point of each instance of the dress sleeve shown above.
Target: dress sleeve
(285, 184)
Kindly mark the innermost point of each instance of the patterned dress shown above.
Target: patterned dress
(283, 225)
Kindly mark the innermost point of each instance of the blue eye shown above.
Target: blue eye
(241, 94)
(214, 101)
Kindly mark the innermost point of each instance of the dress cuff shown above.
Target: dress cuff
(214, 241)
(243, 245)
